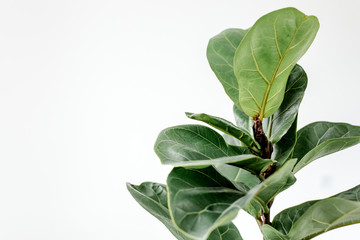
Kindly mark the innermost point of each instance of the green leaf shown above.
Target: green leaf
(232, 141)
(312, 218)
(242, 180)
(238, 175)
(227, 232)
(199, 146)
(243, 121)
(319, 139)
(226, 127)
(266, 56)
(284, 117)
(201, 200)
(284, 148)
(271, 233)
(279, 181)
(285, 219)
(187, 143)
(220, 54)
(254, 208)
(153, 198)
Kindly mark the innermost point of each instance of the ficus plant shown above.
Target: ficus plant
(215, 176)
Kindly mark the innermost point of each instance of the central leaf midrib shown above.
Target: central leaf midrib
(262, 110)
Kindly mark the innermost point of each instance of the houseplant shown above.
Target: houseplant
(215, 176)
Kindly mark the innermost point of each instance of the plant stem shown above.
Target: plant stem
(260, 137)
(266, 151)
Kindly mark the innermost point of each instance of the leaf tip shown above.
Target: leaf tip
(189, 114)
(129, 186)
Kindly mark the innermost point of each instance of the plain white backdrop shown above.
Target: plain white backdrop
(86, 86)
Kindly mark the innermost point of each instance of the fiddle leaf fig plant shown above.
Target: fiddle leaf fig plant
(228, 167)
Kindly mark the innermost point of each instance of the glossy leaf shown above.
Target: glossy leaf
(310, 219)
(284, 148)
(284, 221)
(220, 54)
(284, 117)
(238, 175)
(226, 127)
(280, 180)
(243, 121)
(254, 208)
(266, 56)
(199, 146)
(227, 232)
(276, 183)
(232, 141)
(255, 165)
(319, 139)
(201, 200)
(271, 233)
(186, 143)
(153, 197)
(242, 180)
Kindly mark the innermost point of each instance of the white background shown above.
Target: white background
(86, 86)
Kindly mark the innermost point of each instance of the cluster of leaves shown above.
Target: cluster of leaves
(215, 176)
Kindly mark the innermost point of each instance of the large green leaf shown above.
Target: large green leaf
(283, 118)
(284, 221)
(226, 127)
(279, 181)
(153, 197)
(242, 180)
(200, 146)
(266, 56)
(201, 200)
(220, 54)
(284, 148)
(312, 218)
(322, 138)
